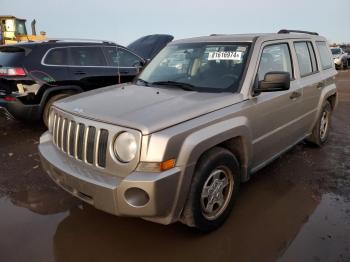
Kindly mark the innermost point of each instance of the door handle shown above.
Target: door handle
(295, 95)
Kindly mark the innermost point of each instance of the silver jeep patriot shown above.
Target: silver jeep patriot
(203, 116)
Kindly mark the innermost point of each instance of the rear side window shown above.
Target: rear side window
(87, 56)
(57, 56)
(326, 61)
(304, 58)
(122, 58)
(275, 58)
(11, 55)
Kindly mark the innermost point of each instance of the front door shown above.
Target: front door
(275, 126)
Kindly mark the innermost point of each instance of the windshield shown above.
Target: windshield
(202, 67)
(335, 51)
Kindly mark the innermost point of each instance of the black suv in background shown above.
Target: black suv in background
(33, 75)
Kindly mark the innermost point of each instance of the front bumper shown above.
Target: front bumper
(122, 196)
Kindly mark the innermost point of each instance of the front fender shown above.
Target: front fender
(199, 142)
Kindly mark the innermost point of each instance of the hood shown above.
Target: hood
(148, 46)
(147, 109)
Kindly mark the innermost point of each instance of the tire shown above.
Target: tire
(216, 167)
(45, 116)
(319, 135)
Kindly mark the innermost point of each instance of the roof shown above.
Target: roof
(57, 43)
(247, 37)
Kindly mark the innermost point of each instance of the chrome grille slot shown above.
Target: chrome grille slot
(90, 144)
(64, 135)
(80, 141)
(59, 131)
(102, 148)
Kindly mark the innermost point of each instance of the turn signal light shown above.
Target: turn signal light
(156, 166)
(166, 165)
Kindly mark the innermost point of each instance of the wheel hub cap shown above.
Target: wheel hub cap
(216, 193)
(324, 125)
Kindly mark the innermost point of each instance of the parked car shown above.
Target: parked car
(340, 58)
(203, 116)
(34, 75)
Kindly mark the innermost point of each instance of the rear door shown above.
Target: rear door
(89, 67)
(309, 81)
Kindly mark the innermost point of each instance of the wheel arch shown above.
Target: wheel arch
(57, 90)
(233, 134)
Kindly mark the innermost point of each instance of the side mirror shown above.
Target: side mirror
(274, 81)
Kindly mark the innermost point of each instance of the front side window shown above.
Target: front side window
(57, 56)
(20, 27)
(275, 58)
(88, 56)
(122, 58)
(326, 60)
(304, 59)
(206, 67)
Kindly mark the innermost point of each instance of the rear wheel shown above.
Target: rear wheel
(321, 130)
(213, 191)
(49, 103)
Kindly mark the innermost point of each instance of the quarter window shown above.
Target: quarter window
(304, 58)
(122, 58)
(326, 61)
(57, 56)
(88, 56)
(275, 58)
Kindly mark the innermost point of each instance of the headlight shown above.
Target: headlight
(51, 119)
(125, 147)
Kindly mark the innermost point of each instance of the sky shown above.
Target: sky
(123, 21)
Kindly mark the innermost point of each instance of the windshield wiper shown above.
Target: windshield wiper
(143, 81)
(184, 86)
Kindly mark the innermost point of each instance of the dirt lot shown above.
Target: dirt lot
(296, 209)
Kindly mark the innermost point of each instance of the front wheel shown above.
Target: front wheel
(321, 130)
(213, 191)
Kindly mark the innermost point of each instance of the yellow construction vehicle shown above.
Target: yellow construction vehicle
(13, 30)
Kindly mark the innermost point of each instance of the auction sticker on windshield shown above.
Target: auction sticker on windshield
(225, 55)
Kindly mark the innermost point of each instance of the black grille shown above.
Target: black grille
(73, 127)
(80, 142)
(90, 145)
(102, 148)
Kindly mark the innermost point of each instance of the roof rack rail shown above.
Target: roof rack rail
(287, 31)
(216, 34)
(79, 40)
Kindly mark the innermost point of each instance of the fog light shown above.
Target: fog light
(136, 197)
